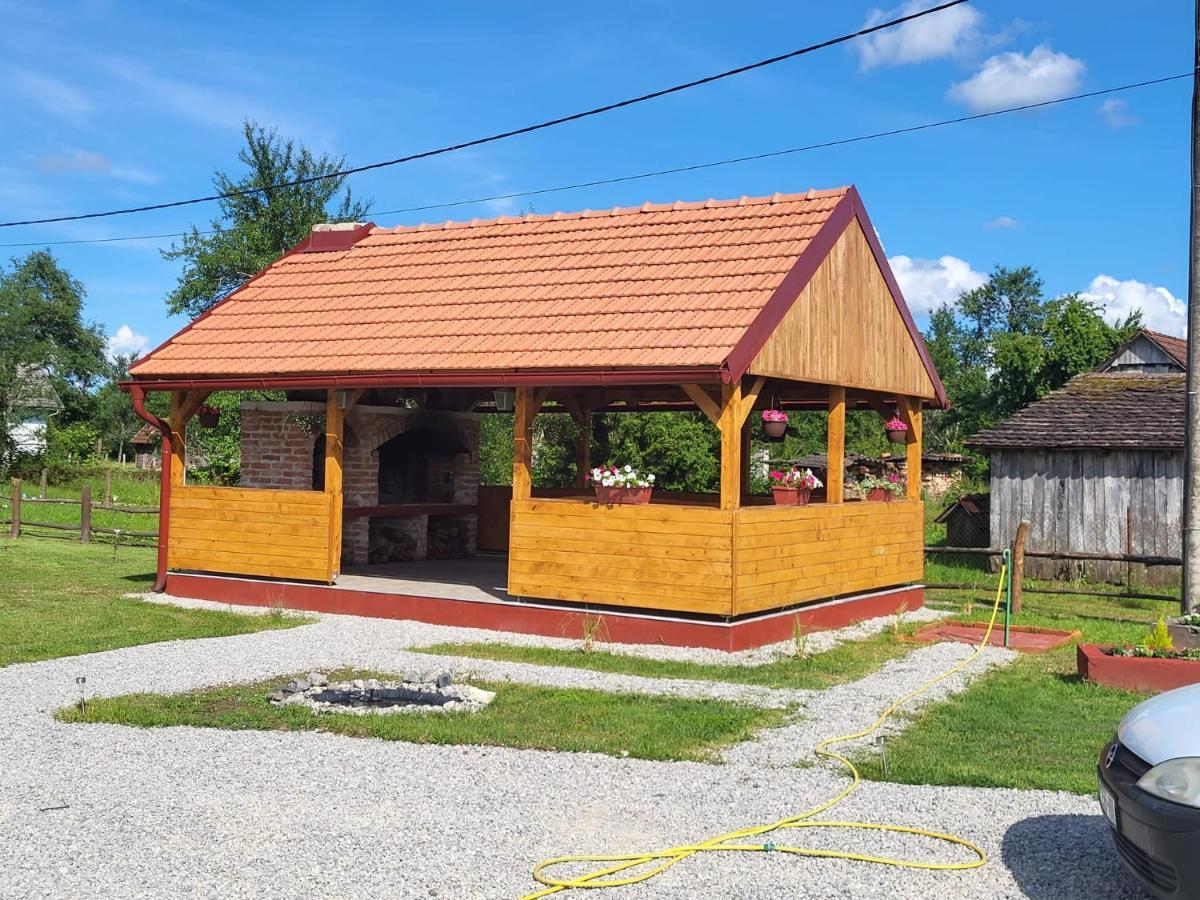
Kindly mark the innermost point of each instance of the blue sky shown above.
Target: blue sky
(109, 105)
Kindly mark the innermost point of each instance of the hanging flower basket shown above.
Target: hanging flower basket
(209, 416)
(615, 485)
(897, 430)
(775, 423)
(794, 487)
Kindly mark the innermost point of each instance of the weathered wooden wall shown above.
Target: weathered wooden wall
(1078, 500)
(251, 531)
(1143, 355)
(844, 329)
(706, 560)
(791, 554)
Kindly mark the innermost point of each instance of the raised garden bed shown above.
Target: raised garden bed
(1135, 673)
(1025, 638)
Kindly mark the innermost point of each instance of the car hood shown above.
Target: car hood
(1164, 727)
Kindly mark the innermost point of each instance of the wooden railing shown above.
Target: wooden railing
(252, 531)
(18, 518)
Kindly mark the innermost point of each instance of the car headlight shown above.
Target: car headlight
(1177, 780)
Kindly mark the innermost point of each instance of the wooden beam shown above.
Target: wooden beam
(522, 480)
(731, 446)
(750, 397)
(910, 412)
(539, 399)
(335, 419)
(835, 446)
(707, 405)
(178, 422)
(192, 401)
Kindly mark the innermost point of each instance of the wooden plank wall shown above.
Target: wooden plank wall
(1078, 500)
(792, 554)
(251, 531)
(845, 329)
(654, 557)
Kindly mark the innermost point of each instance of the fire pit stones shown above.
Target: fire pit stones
(418, 692)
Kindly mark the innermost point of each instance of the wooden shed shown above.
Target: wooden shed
(394, 341)
(1097, 467)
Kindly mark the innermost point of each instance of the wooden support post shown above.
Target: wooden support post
(85, 514)
(335, 418)
(910, 410)
(107, 487)
(835, 446)
(15, 529)
(1018, 564)
(178, 424)
(522, 480)
(45, 483)
(583, 446)
(730, 424)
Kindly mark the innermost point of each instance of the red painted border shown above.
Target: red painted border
(550, 621)
(1135, 673)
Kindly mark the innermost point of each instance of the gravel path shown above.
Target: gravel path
(181, 812)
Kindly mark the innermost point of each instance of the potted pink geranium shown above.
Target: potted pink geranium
(775, 423)
(208, 416)
(897, 430)
(616, 484)
(881, 489)
(793, 487)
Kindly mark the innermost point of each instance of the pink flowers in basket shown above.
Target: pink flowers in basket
(802, 479)
(774, 415)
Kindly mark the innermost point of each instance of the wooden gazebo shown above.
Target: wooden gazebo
(721, 306)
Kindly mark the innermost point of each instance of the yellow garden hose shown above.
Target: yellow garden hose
(615, 868)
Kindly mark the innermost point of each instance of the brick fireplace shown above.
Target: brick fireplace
(393, 456)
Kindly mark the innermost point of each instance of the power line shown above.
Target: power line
(680, 169)
(549, 123)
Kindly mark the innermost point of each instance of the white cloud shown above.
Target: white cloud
(1115, 113)
(1161, 310)
(950, 33)
(1001, 222)
(1014, 79)
(89, 163)
(928, 283)
(55, 96)
(126, 341)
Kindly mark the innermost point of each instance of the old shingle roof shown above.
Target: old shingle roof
(667, 285)
(32, 389)
(1098, 410)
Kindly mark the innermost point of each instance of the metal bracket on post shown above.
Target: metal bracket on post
(1008, 593)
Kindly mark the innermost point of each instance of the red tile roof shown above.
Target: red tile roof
(667, 285)
(1174, 347)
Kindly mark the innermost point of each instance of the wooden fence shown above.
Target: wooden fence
(1019, 554)
(17, 520)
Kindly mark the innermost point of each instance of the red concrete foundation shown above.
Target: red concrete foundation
(622, 627)
(1135, 673)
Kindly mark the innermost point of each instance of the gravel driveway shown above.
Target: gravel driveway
(204, 813)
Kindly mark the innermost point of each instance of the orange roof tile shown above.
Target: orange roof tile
(635, 287)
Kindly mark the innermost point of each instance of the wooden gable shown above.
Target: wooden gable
(846, 329)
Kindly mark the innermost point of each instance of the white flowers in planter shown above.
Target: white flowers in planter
(627, 477)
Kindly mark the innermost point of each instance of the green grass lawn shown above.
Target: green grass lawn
(846, 662)
(1032, 724)
(526, 716)
(62, 598)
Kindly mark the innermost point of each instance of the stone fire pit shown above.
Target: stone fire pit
(418, 692)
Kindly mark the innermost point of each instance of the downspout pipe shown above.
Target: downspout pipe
(138, 395)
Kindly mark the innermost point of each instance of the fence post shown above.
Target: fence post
(16, 508)
(85, 514)
(1018, 563)
(45, 483)
(107, 487)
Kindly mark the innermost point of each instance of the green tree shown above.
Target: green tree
(257, 227)
(114, 418)
(42, 324)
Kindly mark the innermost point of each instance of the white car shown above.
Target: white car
(1149, 780)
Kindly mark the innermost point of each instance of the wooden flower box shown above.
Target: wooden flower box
(1135, 673)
